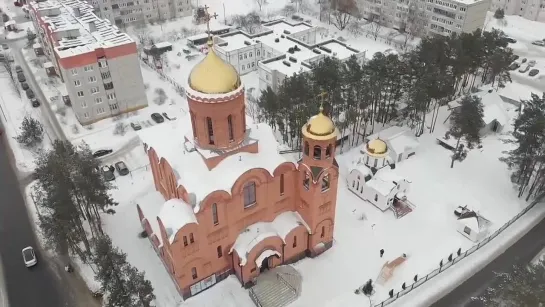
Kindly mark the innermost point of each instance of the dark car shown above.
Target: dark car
(30, 93)
(136, 126)
(18, 69)
(157, 118)
(108, 173)
(5, 46)
(121, 168)
(21, 77)
(516, 57)
(524, 60)
(35, 102)
(510, 40)
(102, 153)
(514, 66)
(533, 72)
(25, 86)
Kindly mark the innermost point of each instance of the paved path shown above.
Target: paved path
(521, 252)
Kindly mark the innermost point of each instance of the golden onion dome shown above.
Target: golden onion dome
(320, 127)
(213, 75)
(377, 148)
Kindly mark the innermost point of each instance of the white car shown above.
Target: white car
(539, 43)
(29, 257)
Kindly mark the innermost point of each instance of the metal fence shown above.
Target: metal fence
(447, 263)
(180, 90)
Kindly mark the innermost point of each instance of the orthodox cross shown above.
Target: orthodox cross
(207, 18)
(322, 96)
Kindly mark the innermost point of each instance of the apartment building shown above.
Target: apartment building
(529, 9)
(279, 50)
(434, 16)
(121, 12)
(98, 64)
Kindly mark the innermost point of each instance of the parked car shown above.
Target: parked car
(18, 69)
(516, 57)
(532, 63)
(29, 257)
(524, 60)
(514, 66)
(539, 43)
(510, 40)
(108, 173)
(157, 118)
(21, 77)
(30, 93)
(102, 153)
(25, 86)
(524, 68)
(35, 102)
(533, 72)
(122, 168)
(136, 126)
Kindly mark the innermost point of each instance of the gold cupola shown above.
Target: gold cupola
(377, 148)
(320, 127)
(213, 75)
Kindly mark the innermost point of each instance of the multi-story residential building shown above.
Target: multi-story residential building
(121, 12)
(98, 64)
(279, 50)
(529, 9)
(434, 16)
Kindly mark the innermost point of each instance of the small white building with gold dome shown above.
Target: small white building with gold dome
(228, 202)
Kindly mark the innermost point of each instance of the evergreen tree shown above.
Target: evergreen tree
(466, 122)
(32, 132)
(31, 37)
(524, 286)
(140, 286)
(499, 13)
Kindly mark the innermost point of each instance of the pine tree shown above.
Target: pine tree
(499, 13)
(141, 287)
(32, 132)
(31, 37)
(523, 286)
(466, 122)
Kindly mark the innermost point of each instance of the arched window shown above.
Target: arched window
(220, 252)
(230, 124)
(323, 232)
(306, 181)
(215, 213)
(193, 125)
(249, 194)
(328, 151)
(194, 272)
(317, 152)
(281, 184)
(306, 150)
(210, 131)
(325, 183)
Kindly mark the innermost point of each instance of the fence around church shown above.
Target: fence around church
(447, 264)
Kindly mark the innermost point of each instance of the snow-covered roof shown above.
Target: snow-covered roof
(384, 181)
(493, 109)
(175, 214)
(362, 168)
(403, 142)
(387, 174)
(77, 28)
(255, 233)
(48, 65)
(169, 142)
(474, 221)
(150, 206)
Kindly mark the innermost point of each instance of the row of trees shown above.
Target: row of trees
(407, 88)
(70, 195)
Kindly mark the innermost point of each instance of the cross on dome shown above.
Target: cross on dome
(322, 96)
(209, 17)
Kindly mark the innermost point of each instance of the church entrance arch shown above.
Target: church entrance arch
(265, 260)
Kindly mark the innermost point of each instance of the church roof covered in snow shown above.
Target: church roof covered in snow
(169, 140)
(175, 214)
(399, 139)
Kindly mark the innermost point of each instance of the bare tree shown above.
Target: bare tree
(324, 10)
(260, 3)
(250, 23)
(376, 25)
(289, 10)
(413, 24)
(343, 11)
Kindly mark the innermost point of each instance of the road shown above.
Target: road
(522, 252)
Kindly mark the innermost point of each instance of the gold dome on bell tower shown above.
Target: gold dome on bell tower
(213, 75)
(320, 127)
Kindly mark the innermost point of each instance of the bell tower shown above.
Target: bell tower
(216, 101)
(318, 180)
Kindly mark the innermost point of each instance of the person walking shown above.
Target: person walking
(381, 253)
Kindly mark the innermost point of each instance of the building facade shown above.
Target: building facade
(529, 9)
(234, 205)
(441, 17)
(98, 64)
(124, 12)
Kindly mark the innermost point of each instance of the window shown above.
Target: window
(294, 241)
(220, 252)
(77, 83)
(111, 96)
(467, 230)
(102, 64)
(191, 239)
(250, 54)
(100, 110)
(185, 241)
(306, 150)
(230, 124)
(253, 64)
(86, 114)
(281, 184)
(80, 94)
(92, 79)
(376, 197)
(322, 234)
(306, 181)
(325, 183)
(240, 57)
(194, 272)
(210, 131)
(88, 68)
(84, 104)
(258, 52)
(328, 151)
(114, 106)
(317, 152)
(193, 125)
(215, 214)
(249, 194)
(74, 72)
(245, 56)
